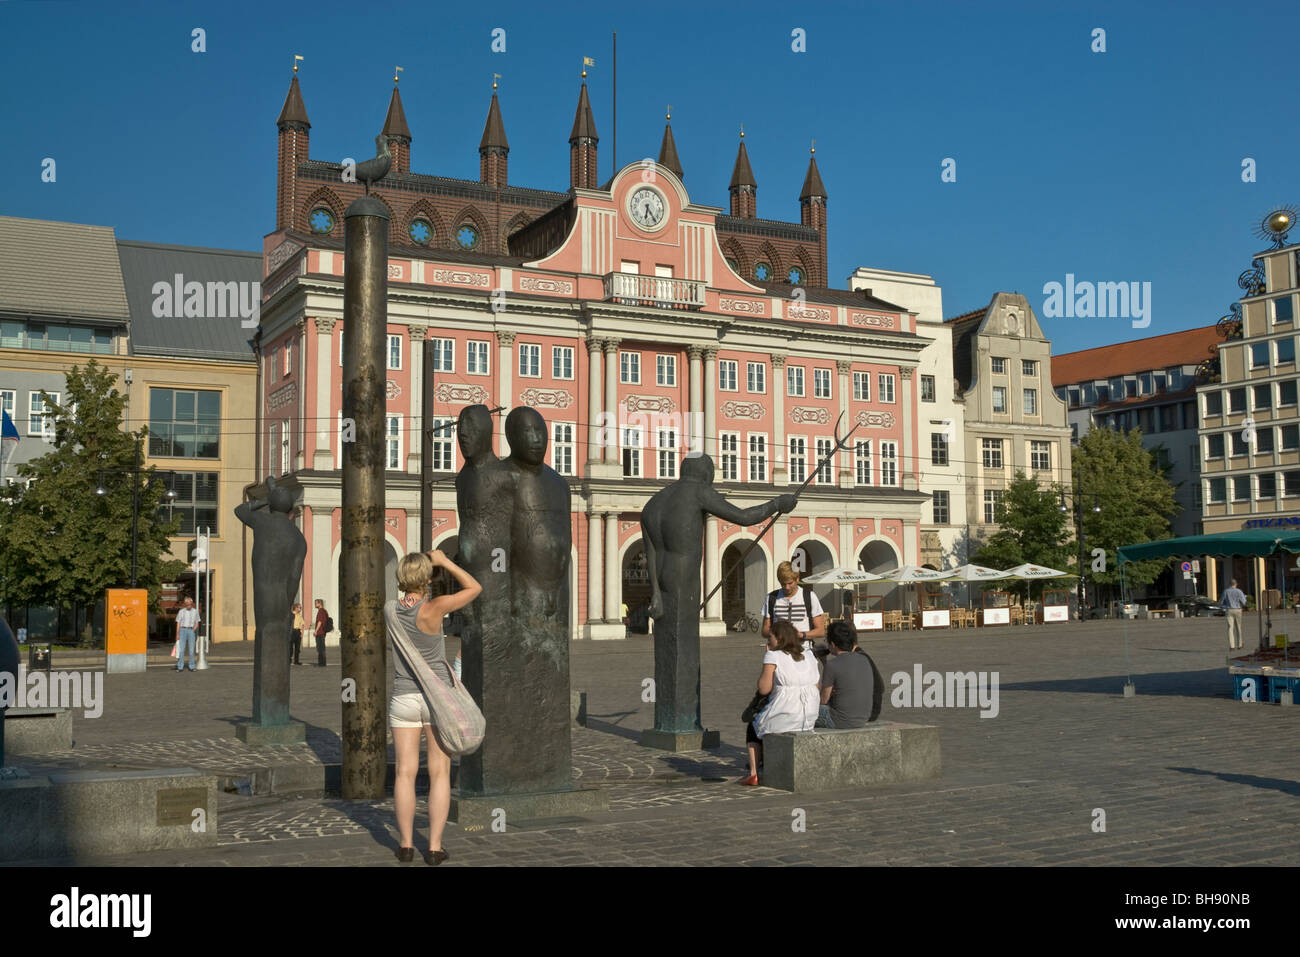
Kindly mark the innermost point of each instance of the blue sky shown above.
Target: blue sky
(1115, 166)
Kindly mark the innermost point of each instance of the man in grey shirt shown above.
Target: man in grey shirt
(852, 688)
(1233, 601)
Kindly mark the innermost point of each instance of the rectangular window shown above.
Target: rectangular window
(862, 462)
(667, 453)
(794, 380)
(629, 368)
(1145, 385)
(1286, 392)
(1238, 444)
(1131, 388)
(340, 347)
(185, 424)
(288, 358)
(195, 502)
(444, 353)
(273, 450)
(1290, 438)
(476, 357)
(888, 463)
(862, 386)
(393, 442)
(885, 388)
(999, 399)
(939, 503)
(758, 458)
(1103, 394)
(727, 373)
(1236, 401)
(1040, 456)
(38, 413)
(1285, 350)
(1264, 441)
(561, 363)
(11, 334)
(1031, 401)
(394, 352)
(1259, 355)
(1283, 309)
(999, 365)
(1218, 490)
(443, 458)
(530, 361)
(562, 447)
(821, 383)
(1213, 403)
(1073, 396)
(992, 502)
(729, 456)
(755, 377)
(825, 473)
(1263, 396)
(927, 388)
(7, 405)
(1241, 488)
(992, 449)
(1028, 367)
(665, 370)
(286, 459)
(1267, 486)
(1214, 446)
(798, 458)
(938, 448)
(1290, 484)
(632, 453)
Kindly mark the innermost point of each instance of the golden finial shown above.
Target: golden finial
(669, 115)
(495, 77)
(586, 62)
(813, 148)
(742, 131)
(396, 70)
(296, 58)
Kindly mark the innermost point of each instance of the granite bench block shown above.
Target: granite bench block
(37, 730)
(886, 752)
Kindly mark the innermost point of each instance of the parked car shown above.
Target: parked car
(1198, 606)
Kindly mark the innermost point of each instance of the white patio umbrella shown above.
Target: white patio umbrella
(1031, 572)
(976, 573)
(913, 574)
(840, 576)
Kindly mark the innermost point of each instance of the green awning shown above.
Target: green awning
(1246, 543)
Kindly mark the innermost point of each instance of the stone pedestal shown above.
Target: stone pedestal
(476, 812)
(680, 740)
(250, 732)
(37, 730)
(884, 752)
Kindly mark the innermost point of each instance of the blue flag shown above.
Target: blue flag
(8, 431)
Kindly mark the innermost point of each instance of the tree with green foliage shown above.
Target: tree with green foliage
(62, 542)
(1032, 529)
(1134, 498)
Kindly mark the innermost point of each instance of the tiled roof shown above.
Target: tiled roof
(294, 112)
(395, 121)
(494, 130)
(1187, 347)
(60, 269)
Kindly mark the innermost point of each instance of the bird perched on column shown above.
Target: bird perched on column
(373, 170)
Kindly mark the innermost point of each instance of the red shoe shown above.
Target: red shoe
(750, 781)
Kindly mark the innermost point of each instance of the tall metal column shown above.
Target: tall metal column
(426, 450)
(361, 574)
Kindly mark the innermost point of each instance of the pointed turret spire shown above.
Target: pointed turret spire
(744, 189)
(812, 213)
(812, 183)
(294, 139)
(294, 113)
(582, 143)
(493, 148)
(668, 149)
(396, 131)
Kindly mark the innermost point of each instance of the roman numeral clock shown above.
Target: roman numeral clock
(647, 208)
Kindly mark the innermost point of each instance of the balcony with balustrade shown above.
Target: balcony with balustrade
(658, 292)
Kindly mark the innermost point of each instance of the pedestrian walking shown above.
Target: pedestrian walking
(187, 619)
(1233, 601)
(324, 625)
(295, 640)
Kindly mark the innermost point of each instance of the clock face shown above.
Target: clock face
(646, 208)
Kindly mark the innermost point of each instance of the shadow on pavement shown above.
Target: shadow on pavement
(1209, 683)
(1252, 780)
(606, 727)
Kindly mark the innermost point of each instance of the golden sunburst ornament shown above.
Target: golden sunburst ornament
(1276, 224)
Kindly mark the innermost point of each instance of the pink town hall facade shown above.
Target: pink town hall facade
(640, 325)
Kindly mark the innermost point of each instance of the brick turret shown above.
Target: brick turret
(294, 134)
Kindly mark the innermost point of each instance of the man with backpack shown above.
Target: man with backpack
(794, 603)
(324, 625)
(852, 687)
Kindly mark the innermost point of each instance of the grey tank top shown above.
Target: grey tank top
(432, 647)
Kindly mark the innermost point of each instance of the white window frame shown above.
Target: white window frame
(533, 351)
(1046, 450)
(8, 400)
(793, 380)
(1029, 395)
(288, 359)
(394, 339)
(629, 368)
(995, 361)
(885, 388)
(666, 459)
(728, 369)
(559, 355)
(630, 441)
(444, 354)
(665, 370)
(393, 442)
(444, 445)
(340, 348)
(35, 418)
(988, 451)
(992, 499)
(756, 372)
(563, 446)
(729, 456)
(947, 507)
(473, 365)
(862, 463)
(1029, 368)
(821, 383)
(862, 387)
(889, 475)
(274, 442)
(825, 474)
(286, 447)
(756, 456)
(797, 457)
(996, 391)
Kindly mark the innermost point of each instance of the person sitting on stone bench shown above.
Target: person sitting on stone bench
(852, 688)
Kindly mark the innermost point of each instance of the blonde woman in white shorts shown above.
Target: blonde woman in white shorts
(408, 712)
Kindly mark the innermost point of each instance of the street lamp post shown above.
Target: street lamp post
(135, 474)
(1077, 513)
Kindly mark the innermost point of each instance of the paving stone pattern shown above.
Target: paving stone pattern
(1184, 774)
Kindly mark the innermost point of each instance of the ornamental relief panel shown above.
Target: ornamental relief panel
(546, 398)
(801, 414)
(458, 394)
(282, 397)
(748, 306)
(876, 420)
(392, 390)
(562, 287)
(743, 410)
(872, 319)
(281, 254)
(457, 277)
(798, 311)
(649, 403)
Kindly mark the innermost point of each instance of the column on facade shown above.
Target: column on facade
(780, 546)
(595, 565)
(908, 465)
(323, 455)
(610, 347)
(322, 551)
(711, 407)
(300, 347)
(780, 476)
(613, 580)
(712, 569)
(693, 425)
(505, 366)
(595, 406)
(911, 534)
(415, 432)
(847, 558)
(845, 478)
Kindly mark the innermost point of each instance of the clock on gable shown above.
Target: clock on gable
(647, 208)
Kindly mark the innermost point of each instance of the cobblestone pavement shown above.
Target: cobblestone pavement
(1184, 774)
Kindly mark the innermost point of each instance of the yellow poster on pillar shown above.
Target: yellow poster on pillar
(126, 620)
